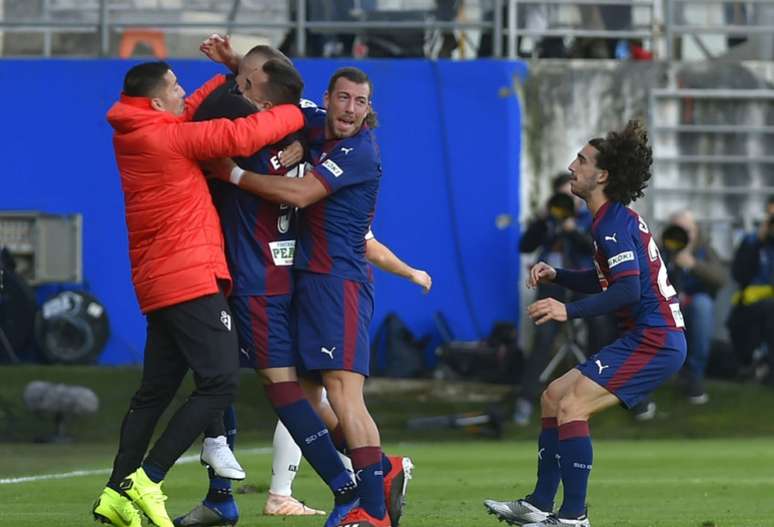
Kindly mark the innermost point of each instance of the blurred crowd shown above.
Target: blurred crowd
(731, 341)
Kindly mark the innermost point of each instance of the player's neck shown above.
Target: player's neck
(595, 202)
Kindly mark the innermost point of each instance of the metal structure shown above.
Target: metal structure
(663, 24)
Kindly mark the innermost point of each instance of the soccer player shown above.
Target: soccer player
(333, 299)
(260, 241)
(631, 280)
(286, 454)
(179, 273)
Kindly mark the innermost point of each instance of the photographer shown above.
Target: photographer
(695, 270)
(561, 233)
(751, 322)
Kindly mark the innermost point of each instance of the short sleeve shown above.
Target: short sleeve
(615, 240)
(348, 164)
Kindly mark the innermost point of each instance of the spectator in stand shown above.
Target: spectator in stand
(751, 322)
(697, 274)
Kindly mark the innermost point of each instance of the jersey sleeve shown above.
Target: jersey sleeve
(615, 240)
(348, 164)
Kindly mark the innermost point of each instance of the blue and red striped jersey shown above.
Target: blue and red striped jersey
(624, 246)
(331, 232)
(259, 234)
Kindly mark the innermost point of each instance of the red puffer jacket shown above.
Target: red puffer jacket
(175, 240)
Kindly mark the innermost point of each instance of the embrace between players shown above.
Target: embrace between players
(321, 329)
(208, 316)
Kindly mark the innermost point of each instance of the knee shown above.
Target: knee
(549, 400)
(222, 385)
(570, 409)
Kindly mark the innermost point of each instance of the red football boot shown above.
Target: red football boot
(358, 517)
(395, 485)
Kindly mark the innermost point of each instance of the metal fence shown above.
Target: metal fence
(659, 24)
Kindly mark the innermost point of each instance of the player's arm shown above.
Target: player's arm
(241, 137)
(299, 192)
(621, 293)
(584, 281)
(193, 101)
(382, 257)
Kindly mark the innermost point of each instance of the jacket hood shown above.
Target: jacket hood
(132, 113)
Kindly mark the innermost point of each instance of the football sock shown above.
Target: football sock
(309, 433)
(576, 458)
(367, 462)
(284, 463)
(548, 474)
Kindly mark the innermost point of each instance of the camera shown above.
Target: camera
(561, 206)
(674, 239)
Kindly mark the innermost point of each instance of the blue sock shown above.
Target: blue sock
(155, 474)
(548, 474)
(576, 458)
(310, 434)
(367, 463)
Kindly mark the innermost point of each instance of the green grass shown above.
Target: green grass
(660, 483)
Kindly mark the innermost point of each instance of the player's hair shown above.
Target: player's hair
(144, 80)
(268, 53)
(357, 76)
(284, 84)
(627, 157)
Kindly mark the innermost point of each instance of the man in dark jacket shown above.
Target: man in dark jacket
(696, 272)
(751, 322)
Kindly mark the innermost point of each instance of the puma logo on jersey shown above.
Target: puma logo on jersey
(612, 238)
(346, 150)
(601, 366)
(225, 318)
(328, 352)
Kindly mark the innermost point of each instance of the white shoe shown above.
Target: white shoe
(516, 512)
(277, 505)
(218, 456)
(552, 520)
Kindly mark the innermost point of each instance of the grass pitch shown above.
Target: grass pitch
(669, 483)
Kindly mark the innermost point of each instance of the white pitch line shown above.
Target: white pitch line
(96, 472)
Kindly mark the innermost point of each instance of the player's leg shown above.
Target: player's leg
(219, 506)
(203, 334)
(272, 349)
(163, 371)
(539, 504)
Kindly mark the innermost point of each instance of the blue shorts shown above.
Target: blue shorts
(332, 316)
(637, 363)
(263, 327)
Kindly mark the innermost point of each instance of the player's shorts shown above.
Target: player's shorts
(332, 316)
(637, 363)
(263, 327)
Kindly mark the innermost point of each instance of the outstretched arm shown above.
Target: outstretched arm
(382, 257)
(299, 192)
(584, 281)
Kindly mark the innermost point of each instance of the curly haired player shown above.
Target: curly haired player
(631, 280)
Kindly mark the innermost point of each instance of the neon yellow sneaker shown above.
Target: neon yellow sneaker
(148, 496)
(114, 509)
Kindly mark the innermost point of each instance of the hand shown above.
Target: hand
(218, 49)
(685, 260)
(568, 225)
(541, 272)
(547, 309)
(763, 231)
(422, 279)
(291, 155)
(218, 168)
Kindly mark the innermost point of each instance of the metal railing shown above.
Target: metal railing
(665, 23)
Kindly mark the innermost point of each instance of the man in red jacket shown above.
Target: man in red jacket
(179, 273)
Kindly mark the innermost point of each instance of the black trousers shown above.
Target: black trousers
(197, 334)
(749, 327)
